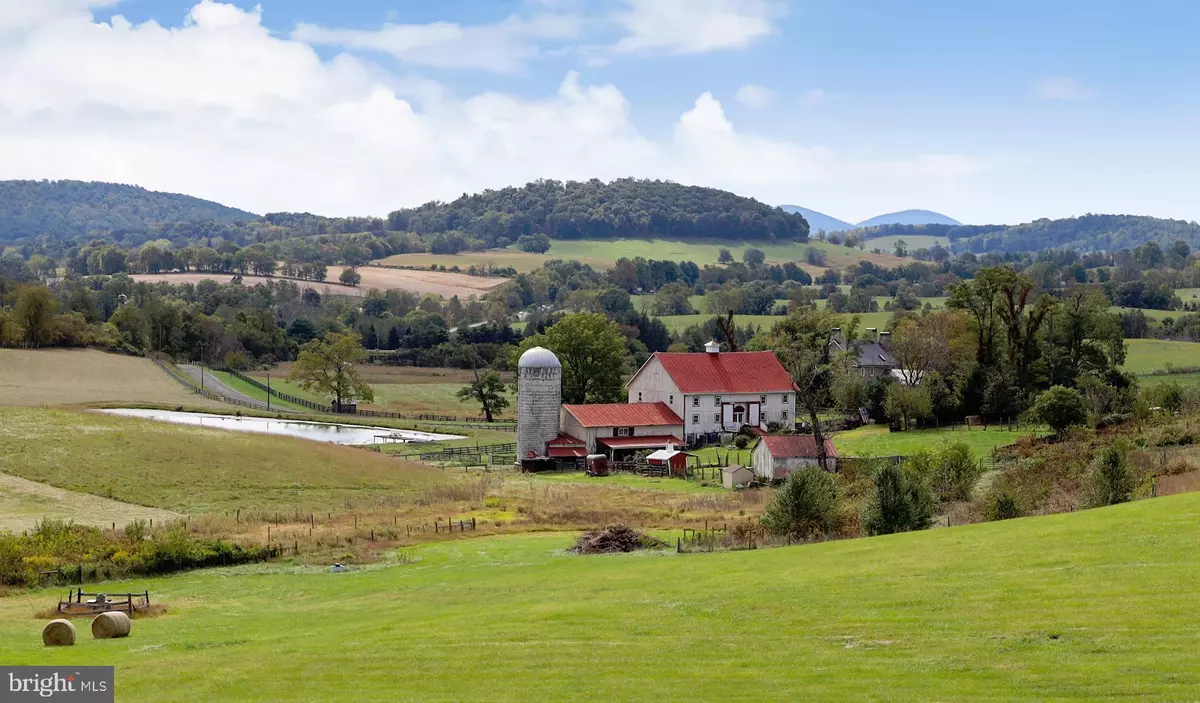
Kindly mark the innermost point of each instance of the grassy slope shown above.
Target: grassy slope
(192, 469)
(914, 242)
(876, 440)
(59, 376)
(257, 393)
(604, 253)
(1147, 355)
(1086, 606)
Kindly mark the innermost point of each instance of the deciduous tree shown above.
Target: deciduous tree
(327, 367)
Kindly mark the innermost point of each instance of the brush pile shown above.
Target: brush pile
(615, 539)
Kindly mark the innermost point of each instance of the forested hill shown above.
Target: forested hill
(596, 210)
(1086, 233)
(74, 209)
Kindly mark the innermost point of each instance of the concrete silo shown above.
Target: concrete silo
(539, 397)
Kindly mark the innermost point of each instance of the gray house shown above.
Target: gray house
(872, 356)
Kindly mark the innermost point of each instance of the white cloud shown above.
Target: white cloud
(1061, 88)
(695, 26)
(814, 97)
(754, 96)
(23, 14)
(502, 47)
(221, 108)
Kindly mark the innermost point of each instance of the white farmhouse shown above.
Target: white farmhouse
(717, 392)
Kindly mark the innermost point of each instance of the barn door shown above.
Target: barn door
(726, 416)
(753, 415)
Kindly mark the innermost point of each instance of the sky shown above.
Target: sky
(989, 112)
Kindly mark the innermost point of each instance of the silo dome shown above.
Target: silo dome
(539, 358)
(539, 398)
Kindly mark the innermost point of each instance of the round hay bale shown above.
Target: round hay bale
(106, 626)
(58, 633)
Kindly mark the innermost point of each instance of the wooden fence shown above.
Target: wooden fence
(188, 384)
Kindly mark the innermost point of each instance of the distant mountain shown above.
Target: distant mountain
(71, 209)
(818, 220)
(1086, 233)
(909, 217)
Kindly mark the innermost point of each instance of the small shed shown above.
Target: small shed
(734, 476)
(672, 458)
(776, 456)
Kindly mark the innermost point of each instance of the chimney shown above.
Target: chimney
(712, 347)
(873, 334)
(885, 339)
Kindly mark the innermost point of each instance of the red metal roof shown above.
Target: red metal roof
(566, 452)
(566, 440)
(727, 372)
(647, 442)
(802, 445)
(624, 414)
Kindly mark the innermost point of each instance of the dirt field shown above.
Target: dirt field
(60, 376)
(23, 503)
(440, 283)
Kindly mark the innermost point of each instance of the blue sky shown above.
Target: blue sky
(987, 111)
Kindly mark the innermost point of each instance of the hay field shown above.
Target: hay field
(1095, 605)
(194, 470)
(23, 503)
(31, 377)
(441, 283)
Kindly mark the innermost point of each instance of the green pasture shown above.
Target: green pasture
(1149, 313)
(1183, 379)
(1096, 605)
(1147, 355)
(260, 395)
(604, 253)
(914, 242)
(625, 480)
(191, 469)
(877, 440)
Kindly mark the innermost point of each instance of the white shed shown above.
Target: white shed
(732, 476)
(777, 456)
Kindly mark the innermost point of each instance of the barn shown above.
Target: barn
(620, 429)
(776, 456)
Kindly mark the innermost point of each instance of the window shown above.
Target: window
(695, 401)
(762, 399)
(739, 416)
(624, 431)
(785, 399)
(639, 396)
(672, 401)
(695, 419)
(783, 416)
(716, 417)
(717, 400)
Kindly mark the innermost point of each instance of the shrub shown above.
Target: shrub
(956, 472)
(901, 502)
(1001, 503)
(741, 441)
(1112, 480)
(805, 506)
(1060, 408)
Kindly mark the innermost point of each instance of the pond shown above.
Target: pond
(318, 431)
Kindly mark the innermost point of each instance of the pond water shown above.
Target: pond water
(319, 431)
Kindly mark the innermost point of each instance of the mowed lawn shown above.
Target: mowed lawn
(193, 470)
(876, 440)
(1148, 355)
(1097, 605)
